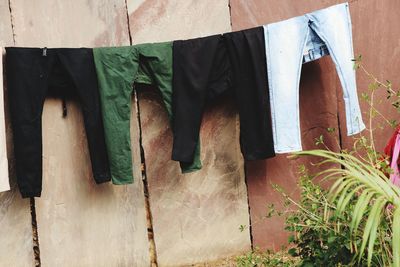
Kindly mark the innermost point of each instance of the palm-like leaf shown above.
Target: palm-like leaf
(374, 192)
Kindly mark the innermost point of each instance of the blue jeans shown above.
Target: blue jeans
(298, 40)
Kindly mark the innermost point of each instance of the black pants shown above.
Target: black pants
(34, 73)
(205, 68)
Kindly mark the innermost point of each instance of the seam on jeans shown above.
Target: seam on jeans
(361, 125)
(300, 65)
(341, 77)
(346, 7)
(269, 77)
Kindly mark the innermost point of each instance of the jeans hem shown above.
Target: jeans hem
(359, 130)
(288, 150)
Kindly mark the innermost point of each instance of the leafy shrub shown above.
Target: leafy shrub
(266, 259)
(357, 221)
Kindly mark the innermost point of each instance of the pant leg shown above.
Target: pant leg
(156, 68)
(116, 68)
(247, 55)
(79, 64)
(284, 44)
(4, 178)
(333, 25)
(26, 83)
(201, 72)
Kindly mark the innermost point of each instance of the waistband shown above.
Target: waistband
(200, 38)
(248, 30)
(44, 50)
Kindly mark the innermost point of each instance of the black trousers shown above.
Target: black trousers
(34, 73)
(204, 68)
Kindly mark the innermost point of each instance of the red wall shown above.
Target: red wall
(376, 38)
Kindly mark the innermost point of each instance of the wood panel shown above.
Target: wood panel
(196, 217)
(15, 219)
(81, 223)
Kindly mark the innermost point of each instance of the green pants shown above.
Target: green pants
(117, 69)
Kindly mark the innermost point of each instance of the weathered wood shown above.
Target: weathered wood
(15, 219)
(81, 223)
(196, 217)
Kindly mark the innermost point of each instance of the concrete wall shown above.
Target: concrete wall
(196, 217)
(15, 218)
(376, 37)
(189, 218)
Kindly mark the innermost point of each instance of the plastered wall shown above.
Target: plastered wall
(167, 218)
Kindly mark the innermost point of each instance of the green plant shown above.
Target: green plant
(357, 221)
(265, 259)
(361, 195)
(362, 205)
(313, 225)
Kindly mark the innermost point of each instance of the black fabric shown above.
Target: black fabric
(204, 68)
(201, 72)
(247, 56)
(33, 74)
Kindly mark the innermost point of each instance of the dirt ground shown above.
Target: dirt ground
(228, 262)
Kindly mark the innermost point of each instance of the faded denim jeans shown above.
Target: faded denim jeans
(298, 40)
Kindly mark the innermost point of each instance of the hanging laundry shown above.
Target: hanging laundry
(246, 51)
(117, 69)
(4, 178)
(33, 73)
(205, 68)
(299, 40)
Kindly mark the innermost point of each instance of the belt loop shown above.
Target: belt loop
(44, 52)
(311, 54)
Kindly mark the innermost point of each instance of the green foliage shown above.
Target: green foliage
(357, 221)
(265, 259)
(330, 228)
(313, 227)
(361, 209)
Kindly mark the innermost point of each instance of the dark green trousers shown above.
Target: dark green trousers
(117, 69)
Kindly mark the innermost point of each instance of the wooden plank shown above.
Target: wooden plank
(15, 219)
(318, 111)
(196, 217)
(79, 222)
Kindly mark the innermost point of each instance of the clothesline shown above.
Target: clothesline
(260, 65)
